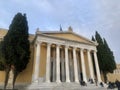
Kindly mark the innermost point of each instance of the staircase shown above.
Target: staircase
(62, 86)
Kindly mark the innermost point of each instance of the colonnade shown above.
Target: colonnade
(61, 65)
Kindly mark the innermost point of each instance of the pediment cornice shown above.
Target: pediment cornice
(47, 34)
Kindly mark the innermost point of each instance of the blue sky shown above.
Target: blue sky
(85, 16)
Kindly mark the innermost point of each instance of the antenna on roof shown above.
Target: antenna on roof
(60, 28)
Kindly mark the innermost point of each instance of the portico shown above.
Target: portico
(65, 60)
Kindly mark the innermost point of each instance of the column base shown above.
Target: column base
(58, 81)
(85, 80)
(76, 81)
(99, 81)
(47, 81)
(35, 81)
(68, 81)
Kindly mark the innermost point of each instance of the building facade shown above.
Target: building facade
(58, 56)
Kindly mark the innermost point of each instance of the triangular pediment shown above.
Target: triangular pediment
(70, 36)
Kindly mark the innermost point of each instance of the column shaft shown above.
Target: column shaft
(83, 66)
(48, 63)
(57, 64)
(97, 67)
(37, 63)
(54, 66)
(90, 65)
(67, 65)
(62, 66)
(78, 64)
(75, 65)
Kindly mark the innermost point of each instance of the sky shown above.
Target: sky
(84, 16)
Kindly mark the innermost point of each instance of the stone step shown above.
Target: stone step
(61, 86)
(53, 85)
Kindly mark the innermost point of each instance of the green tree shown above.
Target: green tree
(2, 63)
(93, 39)
(5, 60)
(100, 51)
(16, 45)
(110, 64)
(105, 56)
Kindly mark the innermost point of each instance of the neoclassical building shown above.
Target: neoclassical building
(58, 56)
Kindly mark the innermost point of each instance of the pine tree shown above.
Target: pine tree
(16, 46)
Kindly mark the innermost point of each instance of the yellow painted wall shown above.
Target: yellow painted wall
(2, 76)
(116, 75)
(112, 77)
(43, 60)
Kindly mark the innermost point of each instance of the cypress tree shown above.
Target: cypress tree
(109, 60)
(105, 56)
(16, 45)
(100, 50)
(93, 39)
(2, 63)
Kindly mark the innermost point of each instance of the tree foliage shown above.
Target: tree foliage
(2, 63)
(105, 56)
(108, 55)
(16, 46)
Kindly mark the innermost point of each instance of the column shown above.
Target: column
(71, 66)
(48, 63)
(75, 65)
(67, 64)
(83, 66)
(97, 67)
(58, 63)
(62, 65)
(37, 63)
(90, 65)
(54, 65)
(78, 63)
